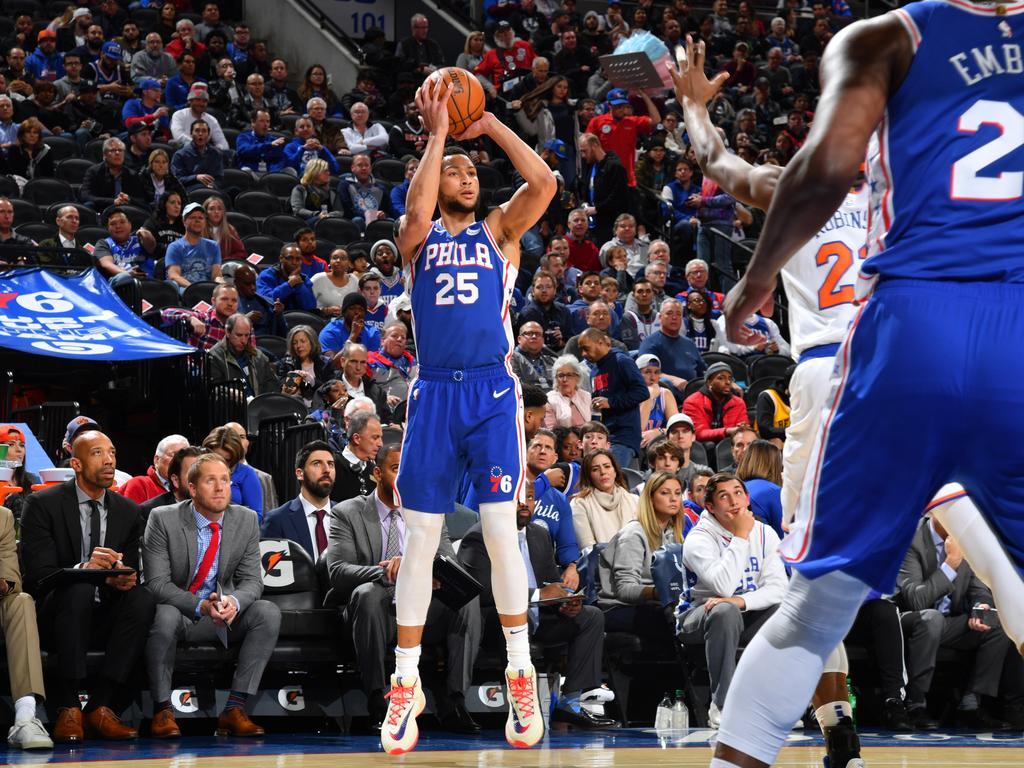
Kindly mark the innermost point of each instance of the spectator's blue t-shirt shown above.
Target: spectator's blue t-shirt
(766, 503)
(196, 261)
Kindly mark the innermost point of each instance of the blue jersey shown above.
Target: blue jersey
(946, 165)
(461, 290)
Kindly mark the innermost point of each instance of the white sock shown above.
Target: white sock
(407, 661)
(517, 641)
(829, 714)
(24, 708)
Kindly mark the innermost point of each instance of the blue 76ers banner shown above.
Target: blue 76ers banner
(77, 317)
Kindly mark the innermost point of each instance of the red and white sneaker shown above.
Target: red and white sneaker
(525, 726)
(399, 733)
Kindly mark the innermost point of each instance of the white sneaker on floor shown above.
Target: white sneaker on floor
(525, 724)
(29, 734)
(406, 701)
(714, 716)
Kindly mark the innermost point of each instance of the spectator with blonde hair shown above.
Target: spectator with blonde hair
(311, 197)
(222, 231)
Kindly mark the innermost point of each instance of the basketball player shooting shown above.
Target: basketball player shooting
(894, 81)
(465, 410)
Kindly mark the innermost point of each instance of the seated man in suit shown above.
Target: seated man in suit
(207, 584)
(582, 626)
(79, 524)
(177, 476)
(367, 539)
(302, 518)
(938, 589)
(21, 637)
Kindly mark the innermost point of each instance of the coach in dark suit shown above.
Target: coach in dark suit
(367, 539)
(79, 524)
(938, 589)
(304, 519)
(203, 565)
(581, 626)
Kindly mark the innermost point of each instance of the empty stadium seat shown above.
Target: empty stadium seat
(25, 211)
(203, 193)
(37, 230)
(298, 317)
(768, 367)
(389, 169)
(340, 231)
(243, 223)
(723, 454)
(277, 184)
(9, 187)
(274, 346)
(235, 178)
(62, 147)
(257, 204)
(382, 229)
(197, 292)
(45, 192)
(72, 170)
(265, 245)
(283, 226)
(158, 293)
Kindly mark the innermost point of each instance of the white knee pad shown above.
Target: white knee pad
(986, 555)
(788, 655)
(837, 662)
(416, 574)
(508, 571)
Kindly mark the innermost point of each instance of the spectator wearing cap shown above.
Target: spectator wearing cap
(109, 182)
(140, 139)
(111, 80)
(153, 61)
(44, 63)
(679, 356)
(122, 256)
(575, 62)
(177, 89)
(285, 282)
(680, 432)
(741, 72)
(198, 165)
(716, 410)
(193, 258)
(89, 118)
(351, 324)
(660, 406)
(509, 56)
(147, 109)
(619, 131)
(183, 120)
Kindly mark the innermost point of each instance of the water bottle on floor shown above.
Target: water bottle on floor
(663, 715)
(680, 714)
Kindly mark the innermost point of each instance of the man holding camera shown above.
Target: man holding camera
(948, 606)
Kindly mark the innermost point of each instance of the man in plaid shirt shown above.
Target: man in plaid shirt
(206, 327)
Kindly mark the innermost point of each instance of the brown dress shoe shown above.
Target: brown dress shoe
(234, 722)
(69, 725)
(164, 725)
(102, 723)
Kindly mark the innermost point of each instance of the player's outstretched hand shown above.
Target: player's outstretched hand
(432, 99)
(745, 299)
(478, 127)
(689, 79)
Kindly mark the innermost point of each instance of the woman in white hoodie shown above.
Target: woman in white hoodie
(735, 581)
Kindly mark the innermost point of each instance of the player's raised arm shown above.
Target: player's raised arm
(750, 184)
(421, 200)
(862, 65)
(530, 200)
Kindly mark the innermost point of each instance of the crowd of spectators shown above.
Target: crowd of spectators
(632, 393)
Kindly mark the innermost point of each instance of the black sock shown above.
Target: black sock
(160, 706)
(67, 694)
(100, 694)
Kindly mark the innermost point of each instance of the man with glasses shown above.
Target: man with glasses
(236, 357)
(532, 362)
(109, 182)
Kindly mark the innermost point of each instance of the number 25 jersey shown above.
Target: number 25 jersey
(461, 294)
(947, 167)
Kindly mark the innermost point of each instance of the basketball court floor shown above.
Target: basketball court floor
(625, 748)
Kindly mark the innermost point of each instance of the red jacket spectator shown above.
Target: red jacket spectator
(700, 407)
(583, 254)
(498, 63)
(144, 487)
(620, 136)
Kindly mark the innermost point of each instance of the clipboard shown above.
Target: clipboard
(95, 576)
(561, 599)
(458, 586)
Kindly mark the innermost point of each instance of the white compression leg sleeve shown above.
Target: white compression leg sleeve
(788, 654)
(416, 574)
(508, 571)
(986, 555)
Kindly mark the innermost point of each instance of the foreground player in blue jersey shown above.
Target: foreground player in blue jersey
(935, 87)
(465, 407)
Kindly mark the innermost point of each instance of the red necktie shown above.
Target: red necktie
(321, 533)
(207, 564)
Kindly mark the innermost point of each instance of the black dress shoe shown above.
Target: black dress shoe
(921, 719)
(458, 720)
(896, 718)
(979, 720)
(582, 719)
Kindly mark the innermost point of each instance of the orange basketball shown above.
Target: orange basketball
(466, 105)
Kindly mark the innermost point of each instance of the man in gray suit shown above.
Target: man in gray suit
(938, 590)
(364, 552)
(208, 586)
